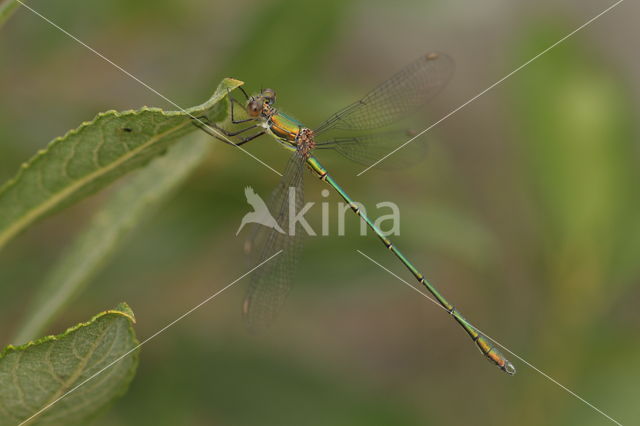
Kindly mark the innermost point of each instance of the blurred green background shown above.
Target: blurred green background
(525, 213)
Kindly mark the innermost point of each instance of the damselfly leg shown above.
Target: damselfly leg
(214, 130)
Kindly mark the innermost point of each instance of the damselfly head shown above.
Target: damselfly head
(254, 106)
(261, 104)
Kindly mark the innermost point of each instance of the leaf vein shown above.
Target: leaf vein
(52, 371)
(96, 151)
(66, 385)
(16, 382)
(58, 197)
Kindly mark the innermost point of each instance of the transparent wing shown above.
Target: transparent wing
(270, 284)
(400, 95)
(370, 148)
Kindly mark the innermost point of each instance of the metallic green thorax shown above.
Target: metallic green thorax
(485, 346)
(284, 128)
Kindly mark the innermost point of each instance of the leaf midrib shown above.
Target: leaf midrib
(32, 214)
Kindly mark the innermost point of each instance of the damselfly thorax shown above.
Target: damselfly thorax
(287, 130)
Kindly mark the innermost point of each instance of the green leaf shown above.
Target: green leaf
(138, 197)
(7, 8)
(38, 373)
(90, 157)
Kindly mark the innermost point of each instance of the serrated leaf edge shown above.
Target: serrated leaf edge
(215, 98)
(123, 310)
(52, 201)
(33, 214)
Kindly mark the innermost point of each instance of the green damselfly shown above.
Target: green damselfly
(392, 100)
